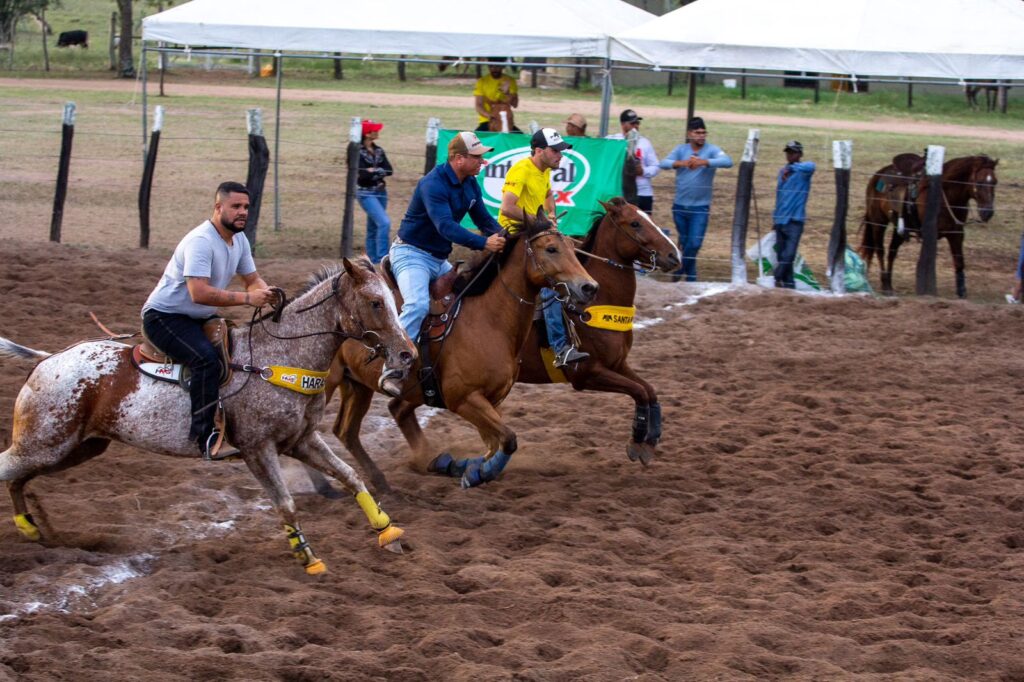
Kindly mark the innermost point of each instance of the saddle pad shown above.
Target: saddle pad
(163, 371)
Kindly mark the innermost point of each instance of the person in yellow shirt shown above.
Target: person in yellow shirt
(495, 87)
(527, 188)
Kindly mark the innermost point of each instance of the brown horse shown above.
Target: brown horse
(618, 239)
(475, 362)
(502, 119)
(78, 400)
(894, 196)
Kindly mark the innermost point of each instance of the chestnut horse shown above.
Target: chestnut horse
(502, 120)
(76, 401)
(890, 196)
(620, 243)
(475, 362)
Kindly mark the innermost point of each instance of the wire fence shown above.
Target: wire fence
(202, 145)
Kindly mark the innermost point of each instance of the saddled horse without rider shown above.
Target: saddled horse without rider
(898, 194)
(76, 401)
(620, 243)
(474, 356)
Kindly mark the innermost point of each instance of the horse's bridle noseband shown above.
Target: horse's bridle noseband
(652, 254)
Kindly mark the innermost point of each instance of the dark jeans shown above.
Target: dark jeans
(645, 204)
(485, 127)
(787, 238)
(182, 337)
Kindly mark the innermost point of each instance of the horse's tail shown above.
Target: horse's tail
(10, 349)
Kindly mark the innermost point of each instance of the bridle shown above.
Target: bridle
(531, 256)
(651, 254)
(974, 183)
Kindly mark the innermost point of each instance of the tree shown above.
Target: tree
(125, 60)
(11, 12)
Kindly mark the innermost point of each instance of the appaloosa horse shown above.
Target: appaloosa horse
(898, 194)
(621, 242)
(78, 400)
(475, 360)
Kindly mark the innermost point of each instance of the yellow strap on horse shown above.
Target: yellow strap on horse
(616, 318)
(305, 381)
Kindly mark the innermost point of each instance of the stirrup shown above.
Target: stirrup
(568, 356)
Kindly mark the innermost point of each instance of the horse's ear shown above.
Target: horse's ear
(606, 206)
(350, 268)
(995, 163)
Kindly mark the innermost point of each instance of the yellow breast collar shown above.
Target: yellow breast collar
(612, 317)
(305, 381)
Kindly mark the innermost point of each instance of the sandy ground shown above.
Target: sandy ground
(591, 109)
(839, 495)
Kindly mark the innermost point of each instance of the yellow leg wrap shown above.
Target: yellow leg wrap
(27, 527)
(378, 519)
(303, 552)
(389, 535)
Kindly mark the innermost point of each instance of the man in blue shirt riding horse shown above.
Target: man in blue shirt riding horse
(419, 254)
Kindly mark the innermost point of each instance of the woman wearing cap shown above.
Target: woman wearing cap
(372, 191)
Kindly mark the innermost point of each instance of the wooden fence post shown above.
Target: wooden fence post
(842, 160)
(146, 186)
(67, 134)
(259, 162)
(355, 136)
(112, 47)
(926, 283)
(741, 213)
(430, 158)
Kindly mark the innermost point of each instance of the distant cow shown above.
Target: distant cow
(69, 38)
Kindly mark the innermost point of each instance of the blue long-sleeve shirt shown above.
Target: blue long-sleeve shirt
(693, 187)
(439, 202)
(792, 192)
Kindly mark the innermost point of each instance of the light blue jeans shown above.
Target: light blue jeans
(414, 270)
(378, 225)
(557, 338)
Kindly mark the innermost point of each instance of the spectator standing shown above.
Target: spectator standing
(493, 87)
(372, 192)
(695, 163)
(576, 126)
(645, 161)
(791, 192)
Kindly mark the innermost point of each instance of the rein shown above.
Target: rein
(552, 284)
(642, 269)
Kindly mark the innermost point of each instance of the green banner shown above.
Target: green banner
(590, 171)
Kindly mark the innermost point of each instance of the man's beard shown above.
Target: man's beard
(231, 226)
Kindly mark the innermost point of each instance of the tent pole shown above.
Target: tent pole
(606, 95)
(145, 122)
(278, 63)
(691, 96)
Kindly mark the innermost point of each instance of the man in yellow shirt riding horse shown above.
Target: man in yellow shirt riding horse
(527, 188)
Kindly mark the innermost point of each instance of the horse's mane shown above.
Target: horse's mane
(484, 270)
(966, 163)
(591, 236)
(329, 271)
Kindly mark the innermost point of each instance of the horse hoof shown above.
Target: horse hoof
(389, 539)
(646, 454)
(316, 568)
(634, 451)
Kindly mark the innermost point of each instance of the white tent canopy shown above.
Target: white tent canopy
(949, 39)
(527, 28)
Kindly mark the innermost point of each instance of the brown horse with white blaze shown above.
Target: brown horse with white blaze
(621, 242)
(475, 362)
(76, 401)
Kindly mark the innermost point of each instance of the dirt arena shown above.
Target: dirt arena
(839, 495)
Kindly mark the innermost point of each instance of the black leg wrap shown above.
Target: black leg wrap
(641, 423)
(961, 284)
(654, 428)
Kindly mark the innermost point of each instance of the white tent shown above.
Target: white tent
(526, 28)
(949, 39)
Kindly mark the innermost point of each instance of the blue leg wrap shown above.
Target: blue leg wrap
(654, 426)
(480, 471)
(641, 423)
(446, 465)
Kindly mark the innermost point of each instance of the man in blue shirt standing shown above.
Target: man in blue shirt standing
(790, 210)
(695, 163)
(441, 200)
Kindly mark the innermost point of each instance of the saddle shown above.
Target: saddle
(903, 185)
(153, 362)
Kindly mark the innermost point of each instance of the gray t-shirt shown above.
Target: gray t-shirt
(202, 253)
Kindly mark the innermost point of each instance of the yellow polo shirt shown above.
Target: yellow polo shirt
(528, 183)
(490, 89)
